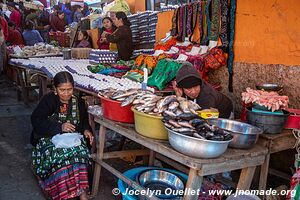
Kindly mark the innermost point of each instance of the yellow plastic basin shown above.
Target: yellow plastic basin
(149, 125)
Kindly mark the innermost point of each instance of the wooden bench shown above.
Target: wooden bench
(274, 143)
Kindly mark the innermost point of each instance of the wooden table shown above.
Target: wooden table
(274, 143)
(232, 159)
(24, 86)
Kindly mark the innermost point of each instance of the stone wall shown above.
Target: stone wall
(250, 74)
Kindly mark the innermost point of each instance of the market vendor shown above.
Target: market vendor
(189, 84)
(122, 36)
(62, 172)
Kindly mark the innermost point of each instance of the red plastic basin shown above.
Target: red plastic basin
(293, 121)
(114, 111)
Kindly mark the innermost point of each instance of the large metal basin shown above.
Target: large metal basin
(163, 181)
(196, 147)
(244, 135)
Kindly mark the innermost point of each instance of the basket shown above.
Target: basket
(63, 38)
(80, 53)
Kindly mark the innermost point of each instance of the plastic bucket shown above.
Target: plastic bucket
(149, 125)
(114, 111)
(293, 121)
(267, 122)
(133, 173)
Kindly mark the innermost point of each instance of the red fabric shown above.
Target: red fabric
(4, 27)
(15, 17)
(104, 45)
(15, 38)
(67, 182)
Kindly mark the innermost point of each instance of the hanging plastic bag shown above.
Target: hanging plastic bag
(120, 5)
(67, 140)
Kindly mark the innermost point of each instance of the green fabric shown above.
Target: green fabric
(164, 72)
(97, 68)
(47, 159)
(134, 76)
(128, 63)
(297, 195)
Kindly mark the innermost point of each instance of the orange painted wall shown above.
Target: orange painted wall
(268, 32)
(164, 24)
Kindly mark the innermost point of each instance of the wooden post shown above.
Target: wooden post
(264, 170)
(97, 170)
(42, 86)
(23, 86)
(151, 158)
(193, 185)
(246, 178)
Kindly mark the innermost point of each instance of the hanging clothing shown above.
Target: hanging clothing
(206, 22)
(224, 25)
(215, 20)
(231, 40)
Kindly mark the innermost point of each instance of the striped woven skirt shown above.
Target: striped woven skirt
(62, 173)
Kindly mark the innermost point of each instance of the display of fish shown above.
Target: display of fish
(126, 97)
(170, 106)
(193, 125)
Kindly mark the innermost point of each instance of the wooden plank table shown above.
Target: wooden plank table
(232, 159)
(274, 143)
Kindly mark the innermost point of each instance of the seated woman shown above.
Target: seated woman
(84, 40)
(31, 37)
(63, 172)
(122, 36)
(108, 28)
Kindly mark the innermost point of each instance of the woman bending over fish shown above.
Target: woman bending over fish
(190, 85)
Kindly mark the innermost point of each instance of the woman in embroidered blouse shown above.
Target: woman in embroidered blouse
(62, 172)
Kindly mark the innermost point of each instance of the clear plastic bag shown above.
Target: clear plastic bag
(67, 140)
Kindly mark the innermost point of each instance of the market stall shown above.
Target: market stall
(172, 129)
(233, 159)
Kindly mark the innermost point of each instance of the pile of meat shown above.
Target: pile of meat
(272, 100)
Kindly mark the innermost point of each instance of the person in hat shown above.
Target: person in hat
(122, 36)
(15, 15)
(189, 84)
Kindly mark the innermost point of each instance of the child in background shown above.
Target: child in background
(108, 28)
(84, 40)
